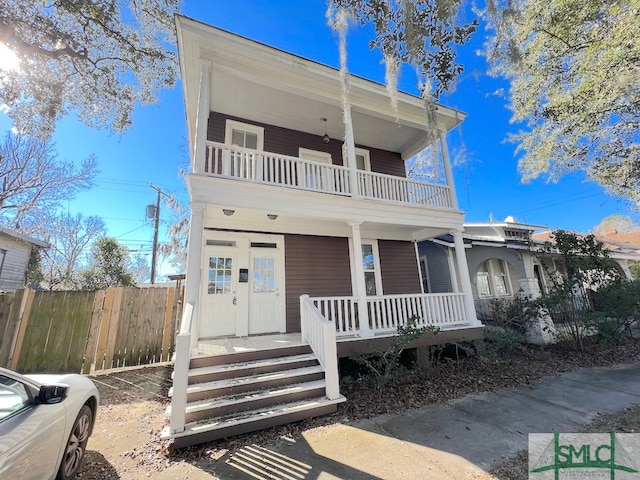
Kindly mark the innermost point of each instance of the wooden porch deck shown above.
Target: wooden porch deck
(346, 345)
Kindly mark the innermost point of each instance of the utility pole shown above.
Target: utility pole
(154, 255)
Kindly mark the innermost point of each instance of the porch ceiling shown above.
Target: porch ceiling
(252, 80)
(305, 225)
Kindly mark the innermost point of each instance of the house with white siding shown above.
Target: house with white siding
(15, 253)
(304, 233)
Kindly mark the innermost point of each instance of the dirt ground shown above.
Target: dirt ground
(126, 445)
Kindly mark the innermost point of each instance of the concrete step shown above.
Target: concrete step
(250, 367)
(248, 355)
(252, 420)
(234, 404)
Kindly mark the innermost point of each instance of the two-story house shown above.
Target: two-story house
(304, 233)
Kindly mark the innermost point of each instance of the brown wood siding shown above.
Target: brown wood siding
(287, 142)
(316, 266)
(398, 267)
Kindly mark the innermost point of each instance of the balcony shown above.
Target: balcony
(266, 168)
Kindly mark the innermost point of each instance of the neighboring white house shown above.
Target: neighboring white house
(304, 230)
(15, 254)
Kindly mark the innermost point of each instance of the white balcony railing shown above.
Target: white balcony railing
(388, 312)
(293, 172)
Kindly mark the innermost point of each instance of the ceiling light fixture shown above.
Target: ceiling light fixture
(325, 137)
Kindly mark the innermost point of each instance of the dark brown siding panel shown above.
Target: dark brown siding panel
(383, 161)
(398, 267)
(316, 266)
(286, 142)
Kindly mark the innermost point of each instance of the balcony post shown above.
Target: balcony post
(351, 153)
(465, 281)
(194, 268)
(202, 119)
(448, 174)
(360, 286)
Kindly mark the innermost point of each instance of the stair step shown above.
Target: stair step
(234, 404)
(220, 372)
(248, 355)
(249, 421)
(229, 386)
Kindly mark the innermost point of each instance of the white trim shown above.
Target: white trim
(247, 127)
(315, 155)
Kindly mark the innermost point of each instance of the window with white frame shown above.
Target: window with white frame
(363, 159)
(492, 279)
(371, 267)
(244, 135)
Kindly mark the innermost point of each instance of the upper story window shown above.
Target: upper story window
(363, 159)
(492, 279)
(314, 155)
(244, 135)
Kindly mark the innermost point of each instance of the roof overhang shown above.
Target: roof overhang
(24, 238)
(254, 81)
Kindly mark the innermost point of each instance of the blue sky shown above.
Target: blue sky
(154, 149)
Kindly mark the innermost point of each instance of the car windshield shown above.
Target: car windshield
(13, 396)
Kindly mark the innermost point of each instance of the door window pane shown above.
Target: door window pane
(220, 271)
(263, 275)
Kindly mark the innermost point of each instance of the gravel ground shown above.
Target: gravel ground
(125, 444)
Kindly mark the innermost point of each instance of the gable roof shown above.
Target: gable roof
(23, 238)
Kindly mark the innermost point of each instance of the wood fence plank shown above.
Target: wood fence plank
(9, 322)
(23, 320)
(105, 324)
(94, 331)
(113, 327)
(168, 321)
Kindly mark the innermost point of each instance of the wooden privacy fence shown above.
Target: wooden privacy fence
(70, 331)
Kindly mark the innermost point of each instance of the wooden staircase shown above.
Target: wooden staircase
(242, 392)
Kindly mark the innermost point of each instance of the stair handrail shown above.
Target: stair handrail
(320, 334)
(181, 372)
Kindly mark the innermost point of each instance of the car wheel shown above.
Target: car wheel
(76, 445)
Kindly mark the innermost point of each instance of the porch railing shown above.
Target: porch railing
(271, 168)
(388, 312)
(274, 169)
(320, 334)
(379, 186)
(181, 372)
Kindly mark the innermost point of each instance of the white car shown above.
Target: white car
(45, 423)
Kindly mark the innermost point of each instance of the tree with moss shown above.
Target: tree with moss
(96, 58)
(574, 68)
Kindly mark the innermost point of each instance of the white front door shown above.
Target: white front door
(219, 293)
(243, 285)
(264, 291)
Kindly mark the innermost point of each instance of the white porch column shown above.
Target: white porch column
(202, 119)
(194, 268)
(351, 153)
(448, 174)
(465, 281)
(361, 288)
